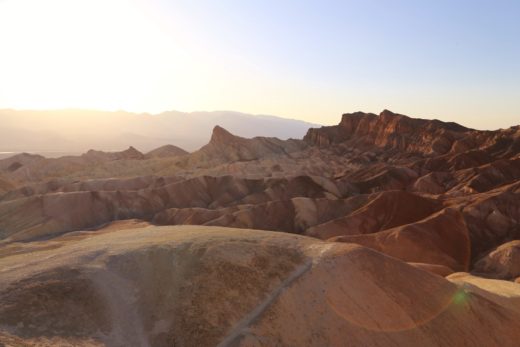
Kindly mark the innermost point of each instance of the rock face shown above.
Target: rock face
(391, 131)
(503, 262)
(202, 286)
(504, 293)
(225, 147)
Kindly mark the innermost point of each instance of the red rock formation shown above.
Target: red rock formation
(384, 211)
(441, 239)
(390, 131)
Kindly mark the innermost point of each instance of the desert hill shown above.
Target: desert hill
(165, 151)
(208, 286)
(420, 199)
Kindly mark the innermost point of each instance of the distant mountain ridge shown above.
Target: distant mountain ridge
(76, 131)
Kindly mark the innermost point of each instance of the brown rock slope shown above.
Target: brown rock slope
(5, 186)
(440, 239)
(202, 286)
(19, 160)
(89, 205)
(391, 131)
(384, 210)
(384, 180)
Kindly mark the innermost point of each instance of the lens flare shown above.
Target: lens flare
(460, 297)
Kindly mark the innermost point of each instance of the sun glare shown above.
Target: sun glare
(90, 54)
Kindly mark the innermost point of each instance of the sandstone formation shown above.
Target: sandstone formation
(380, 208)
(504, 293)
(225, 147)
(503, 262)
(383, 211)
(440, 239)
(391, 131)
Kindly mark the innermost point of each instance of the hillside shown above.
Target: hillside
(354, 225)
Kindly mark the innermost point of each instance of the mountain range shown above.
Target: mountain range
(54, 133)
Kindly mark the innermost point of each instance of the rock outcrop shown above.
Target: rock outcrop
(225, 147)
(390, 131)
(502, 263)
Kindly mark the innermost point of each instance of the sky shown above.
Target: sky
(310, 60)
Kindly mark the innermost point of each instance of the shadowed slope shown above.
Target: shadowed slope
(384, 211)
(442, 239)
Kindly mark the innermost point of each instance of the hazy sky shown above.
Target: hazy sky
(454, 60)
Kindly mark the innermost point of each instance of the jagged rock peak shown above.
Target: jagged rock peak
(221, 135)
(130, 153)
(390, 130)
(386, 117)
(389, 115)
(359, 114)
(131, 150)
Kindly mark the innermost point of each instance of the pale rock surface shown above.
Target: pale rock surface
(502, 263)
